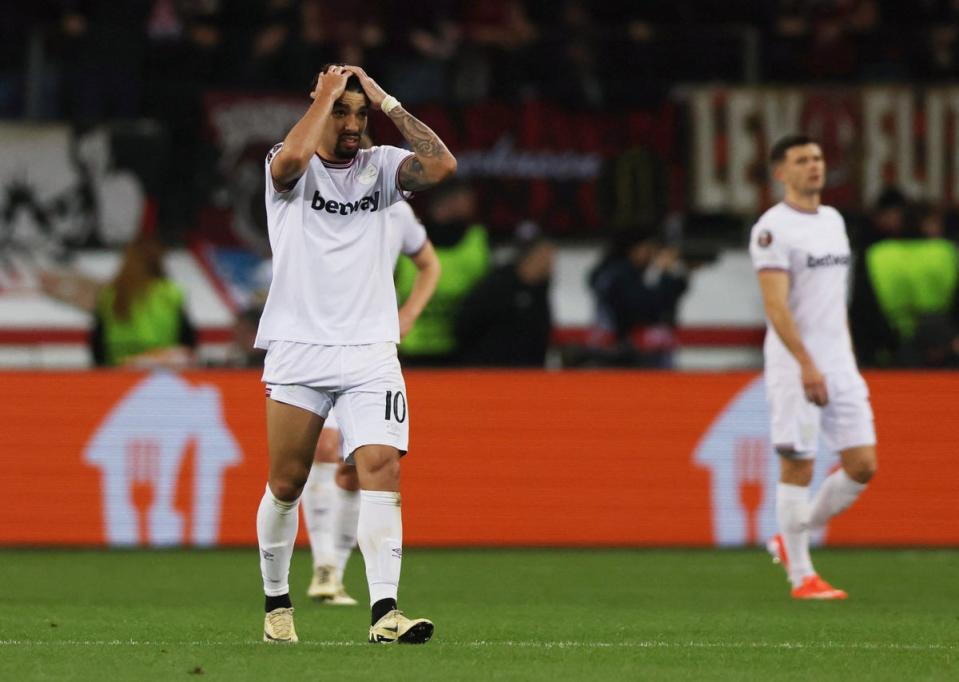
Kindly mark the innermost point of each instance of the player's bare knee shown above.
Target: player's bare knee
(378, 469)
(382, 467)
(287, 482)
(285, 490)
(862, 471)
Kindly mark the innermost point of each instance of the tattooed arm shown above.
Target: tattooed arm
(432, 162)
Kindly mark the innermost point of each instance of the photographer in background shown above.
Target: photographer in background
(637, 287)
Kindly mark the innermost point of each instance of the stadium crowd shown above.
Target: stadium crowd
(110, 59)
(90, 61)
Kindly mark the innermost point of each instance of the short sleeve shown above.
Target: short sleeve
(390, 159)
(767, 248)
(271, 190)
(411, 230)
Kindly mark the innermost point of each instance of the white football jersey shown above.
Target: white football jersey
(814, 249)
(332, 262)
(406, 233)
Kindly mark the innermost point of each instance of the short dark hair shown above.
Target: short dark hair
(778, 152)
(352, 83)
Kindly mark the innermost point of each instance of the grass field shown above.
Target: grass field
(516, 615)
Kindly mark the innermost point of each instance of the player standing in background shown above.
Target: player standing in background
(330, 328)
(801, 252)
(330, 497)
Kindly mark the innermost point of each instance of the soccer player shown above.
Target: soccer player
(330, 327)
(801, 252)
(330, 499)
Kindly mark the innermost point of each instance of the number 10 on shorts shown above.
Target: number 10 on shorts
(395, 406)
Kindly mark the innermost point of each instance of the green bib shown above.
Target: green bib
(153, 322)
(912, 278)
(463, 265)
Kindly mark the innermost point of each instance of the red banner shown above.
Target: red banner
(496, 458)
(871, 137)
(527, 161)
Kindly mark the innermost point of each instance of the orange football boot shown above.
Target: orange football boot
(814, 587)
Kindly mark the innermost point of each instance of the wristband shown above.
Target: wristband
(389, 103)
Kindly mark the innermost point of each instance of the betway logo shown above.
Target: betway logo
(828, 259)
(370, 203)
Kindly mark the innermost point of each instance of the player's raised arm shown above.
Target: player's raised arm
(775, 289)
(432, 161)
(304, 138)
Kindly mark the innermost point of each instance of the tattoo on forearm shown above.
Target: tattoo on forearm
(424, 141)
(425, 144)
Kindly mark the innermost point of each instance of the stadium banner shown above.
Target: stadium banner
(526, 159)
(497, 458)
(62, 189)
(871, 137)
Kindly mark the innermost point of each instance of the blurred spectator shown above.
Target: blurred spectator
(889, 217)
(14, 33)
(506, 320)
(574, 77)
(270, 56)
(874, 338)
(503, 31)
(462, 247)
(904, 301)
(139, 319)
(315, 43)
(637, 286)
(426, 37)
(101, 58)
(938, 53)
(193, 47)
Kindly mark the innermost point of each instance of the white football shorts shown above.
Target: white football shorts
(364, 382)
(846, 421)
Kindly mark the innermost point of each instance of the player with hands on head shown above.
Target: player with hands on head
(801, 252)
(330, 328)
(330, 499)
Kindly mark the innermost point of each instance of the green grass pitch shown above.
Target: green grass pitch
(500, 614)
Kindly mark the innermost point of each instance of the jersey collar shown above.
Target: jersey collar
(797, 209)
(335, 164)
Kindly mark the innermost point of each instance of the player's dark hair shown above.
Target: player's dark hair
(352, 83)
(778, 152)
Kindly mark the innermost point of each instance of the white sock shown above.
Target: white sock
(319, 502)
(345, 520)
(380, 531)
(792, 514)
(276, 525)
(835, 495)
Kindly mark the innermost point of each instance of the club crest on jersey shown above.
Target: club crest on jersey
(367, 203)
(765, 238)
(368, 176)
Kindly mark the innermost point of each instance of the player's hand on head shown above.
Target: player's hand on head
(373, 91)
(331, 82)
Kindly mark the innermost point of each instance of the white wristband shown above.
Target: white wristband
(389, 103)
